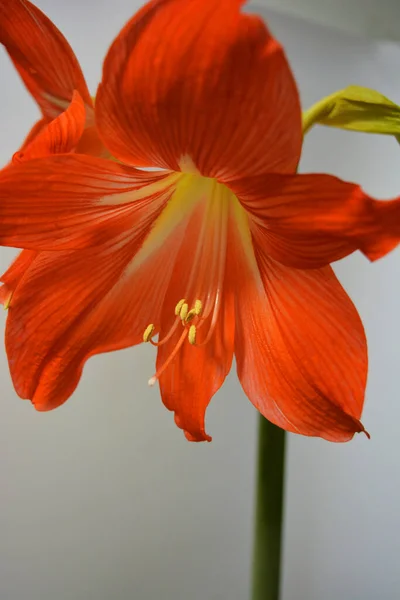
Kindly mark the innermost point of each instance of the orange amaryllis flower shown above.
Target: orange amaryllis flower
(47, 66)
(224, 251)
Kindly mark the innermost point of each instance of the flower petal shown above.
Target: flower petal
(74, 201)
(197, 372)
(42, 56)
(201, 272)
(72, 305)
(355, 108)
(300, 348)
(60, 136)
(308, 221)
(90, 142)
(198, 83)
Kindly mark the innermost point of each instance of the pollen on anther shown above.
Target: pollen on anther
(190, 316)
(192, 334)
(198, 307)
(184, 311)
(152, 381)
(179, 306)
(148, 333)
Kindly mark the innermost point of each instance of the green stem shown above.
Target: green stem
(317, 112)
(269, 509)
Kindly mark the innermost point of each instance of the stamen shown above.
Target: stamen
(168, 335)
(214, 299)
(178, 307)
(148, 333)
(205, 280)
(198, 307)
(214, 320)
(184, 311)
(190, 316)
(194, 312)
(192, 334)
(170, 358)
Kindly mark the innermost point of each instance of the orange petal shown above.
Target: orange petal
(88, 201)
(42, 56)
(90, 142)
(300, 348)
(72, 305)
(60, 136)
(197, 83)
(198, 371)
(308, 221)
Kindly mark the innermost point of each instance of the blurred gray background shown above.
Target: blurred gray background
(103, 498)
(368, 18)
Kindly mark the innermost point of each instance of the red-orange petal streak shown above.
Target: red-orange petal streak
(300, 348)
(200, 79)
(89, 201)
(308, 221)
(60, 136)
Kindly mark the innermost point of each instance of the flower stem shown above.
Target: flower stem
(269, 509)
(318, 112)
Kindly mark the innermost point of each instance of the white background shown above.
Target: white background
(103, 498)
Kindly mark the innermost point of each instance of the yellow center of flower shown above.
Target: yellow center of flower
(198, 216)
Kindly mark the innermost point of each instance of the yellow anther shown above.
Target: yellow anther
(190, 316)
(148, 333)
(198, 307)
(179, 306)
(192, 334)
(184, 311)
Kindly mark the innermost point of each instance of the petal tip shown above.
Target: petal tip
(39, 406)
(365, 432)
(201, 437)
(359, 428)
(198, 435)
